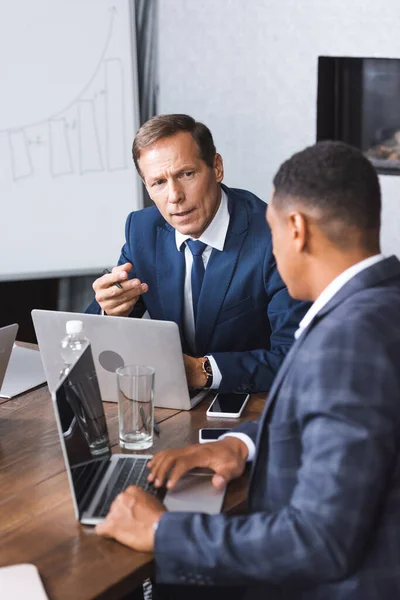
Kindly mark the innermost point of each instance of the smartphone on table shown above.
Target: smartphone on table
(228, 406)
(212, 434)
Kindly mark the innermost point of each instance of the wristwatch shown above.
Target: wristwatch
(207, 370)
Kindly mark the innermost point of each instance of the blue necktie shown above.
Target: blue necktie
(196, 248)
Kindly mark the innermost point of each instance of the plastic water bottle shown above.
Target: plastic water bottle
(72, 345)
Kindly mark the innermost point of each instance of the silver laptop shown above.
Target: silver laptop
(25, 372)
(95, 475)
(119, 341)
(7, 339)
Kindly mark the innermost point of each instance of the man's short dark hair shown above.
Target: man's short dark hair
(163, 126)
(338, 184)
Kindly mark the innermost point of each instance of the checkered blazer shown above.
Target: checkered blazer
(324, 497)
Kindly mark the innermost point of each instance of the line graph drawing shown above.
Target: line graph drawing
(87, 135)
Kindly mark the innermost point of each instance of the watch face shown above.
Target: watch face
(207, 367)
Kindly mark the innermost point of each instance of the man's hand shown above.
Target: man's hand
(227, 458)
(195, 375)
(131, 519)
(115, 301)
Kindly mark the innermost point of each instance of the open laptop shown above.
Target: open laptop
(24, 372)
(95, 475)
(119, 341)
(7, 339)
(20, 368)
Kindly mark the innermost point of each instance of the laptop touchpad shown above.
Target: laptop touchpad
(195, 493)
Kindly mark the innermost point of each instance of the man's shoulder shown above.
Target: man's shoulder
(253, 203)
(351, 352)
(376, 306)
(146, 218)
(368, 318)
(250, 209)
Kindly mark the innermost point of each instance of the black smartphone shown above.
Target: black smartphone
(211, 434)
(228, 405)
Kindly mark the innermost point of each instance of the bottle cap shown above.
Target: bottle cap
(73, 327)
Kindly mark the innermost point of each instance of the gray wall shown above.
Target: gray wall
(248, 69)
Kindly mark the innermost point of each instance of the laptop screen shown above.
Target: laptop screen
(83, 427)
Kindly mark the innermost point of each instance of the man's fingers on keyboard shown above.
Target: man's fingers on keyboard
(162, 474)
(160, 467)
(156, 460)
(181, 467)
(168, 461)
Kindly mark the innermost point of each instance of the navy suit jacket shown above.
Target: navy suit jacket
(246, 318)
(324, 496)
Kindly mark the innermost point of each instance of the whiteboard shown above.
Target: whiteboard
(68, 116)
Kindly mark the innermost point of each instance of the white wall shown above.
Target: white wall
(248, 69)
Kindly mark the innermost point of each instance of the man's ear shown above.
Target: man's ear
(218, 168)
(299, 230)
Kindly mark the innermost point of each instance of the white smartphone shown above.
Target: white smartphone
(230, 406)
(211, 434)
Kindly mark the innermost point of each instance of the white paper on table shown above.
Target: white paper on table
(19, 582)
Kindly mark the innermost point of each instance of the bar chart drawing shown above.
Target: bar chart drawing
(90, 158)
(115, 119)
(60, 152)
(20, 155)
(88, 135)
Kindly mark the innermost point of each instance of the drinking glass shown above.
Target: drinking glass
(135, 406)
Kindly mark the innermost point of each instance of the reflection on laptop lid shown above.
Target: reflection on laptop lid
(95, 475)
(119, 341)
(7, 339)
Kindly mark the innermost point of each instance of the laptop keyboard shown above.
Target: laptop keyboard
(128, 471)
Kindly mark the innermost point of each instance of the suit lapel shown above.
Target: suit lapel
(273, 393)
(170, 272)
(218, 276)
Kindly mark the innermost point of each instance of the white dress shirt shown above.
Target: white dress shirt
(214, 236)
(325, 296)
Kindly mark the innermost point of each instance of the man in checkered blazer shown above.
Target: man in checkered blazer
(324, 501)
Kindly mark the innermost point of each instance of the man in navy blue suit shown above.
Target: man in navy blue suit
(202, 257)
(324, 497)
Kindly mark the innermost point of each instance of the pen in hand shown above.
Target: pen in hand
(106, 272)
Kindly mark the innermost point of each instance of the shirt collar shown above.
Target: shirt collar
(215, 234)
(332, 289)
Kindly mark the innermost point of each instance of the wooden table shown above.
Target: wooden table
(37, 522)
